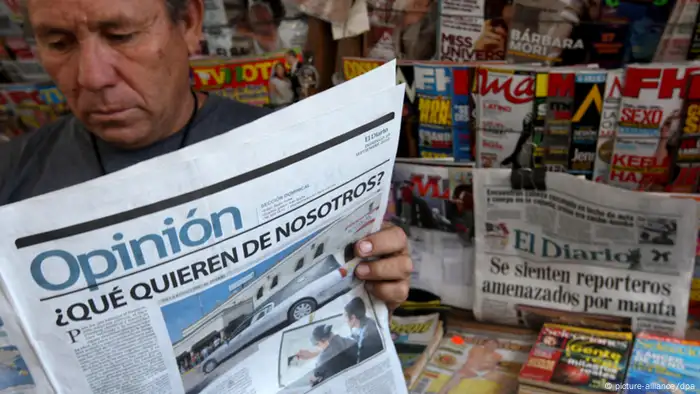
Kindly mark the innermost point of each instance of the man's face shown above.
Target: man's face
(122, 64)
(352, 321)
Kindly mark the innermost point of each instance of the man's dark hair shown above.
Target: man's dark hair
(321, 333)
(356, 307)
(291, 53)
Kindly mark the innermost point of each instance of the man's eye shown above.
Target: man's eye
(120, 38)
(60, 45)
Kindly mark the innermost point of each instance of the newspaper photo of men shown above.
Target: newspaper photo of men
(316, 352)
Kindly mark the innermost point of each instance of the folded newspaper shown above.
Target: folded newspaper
(581, 247)
(226, 267)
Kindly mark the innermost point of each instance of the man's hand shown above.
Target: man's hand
(388, 278)
(306, 354)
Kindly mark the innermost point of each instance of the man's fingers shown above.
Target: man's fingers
(390, 240)
(391, 292)
(398, 267)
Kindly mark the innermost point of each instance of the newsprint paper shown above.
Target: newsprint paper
(226, 267)
(581, 247)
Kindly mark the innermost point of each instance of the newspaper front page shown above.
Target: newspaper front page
(581, 247)
(225, 267)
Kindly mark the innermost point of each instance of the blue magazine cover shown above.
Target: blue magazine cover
(663, 365)
(443, 106)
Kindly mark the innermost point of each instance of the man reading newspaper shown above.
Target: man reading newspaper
(123, 66)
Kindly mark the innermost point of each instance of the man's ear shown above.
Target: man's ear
(191, 25)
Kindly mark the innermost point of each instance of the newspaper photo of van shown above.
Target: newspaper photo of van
(209, 329)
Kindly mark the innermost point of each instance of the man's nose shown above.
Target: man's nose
(95, 66)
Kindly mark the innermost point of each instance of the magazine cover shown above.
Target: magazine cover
(415, 338)
(356, 66)
(577, 358)
(675, 41)
(684, 169)
(646, 20)
(252, 27)
(664, 365)
(473, 30)
(588, 106)
(402, 29)
(255, 81)
(556, 32)
(410, 118)
(443, 107)
(608, 125)
(475, 359)
(649, 117)
(539, 113)
(694, 44)
(504, 115)
(433, 204)
(28, 106)
(414, 329)
(559, 90)
(20, 62)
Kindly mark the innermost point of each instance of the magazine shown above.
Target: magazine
(190, 283)
(443, 107)
(476, 358)
(585, 247)
(401, 29)
(663, 365)
(415, 338)
(587, 111)
(433, 203)
(608, 125)
(25, 107)
(246, 79)
(648, 133)
(577, 360)
(252, 27)
(473, 30)
(504, 115)
(675, 42)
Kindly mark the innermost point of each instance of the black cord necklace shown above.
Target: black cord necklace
(185, 135)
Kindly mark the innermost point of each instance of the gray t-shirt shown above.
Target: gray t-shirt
(62, 154)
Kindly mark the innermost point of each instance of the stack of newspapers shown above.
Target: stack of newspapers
(225, 267)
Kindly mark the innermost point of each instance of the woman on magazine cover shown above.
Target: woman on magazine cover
(281, 87)
(480, 373)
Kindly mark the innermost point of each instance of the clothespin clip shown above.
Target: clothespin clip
(534, 178)
(528, 178)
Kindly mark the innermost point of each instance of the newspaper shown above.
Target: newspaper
(582, 247)
(225, 267)
(433, 203)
